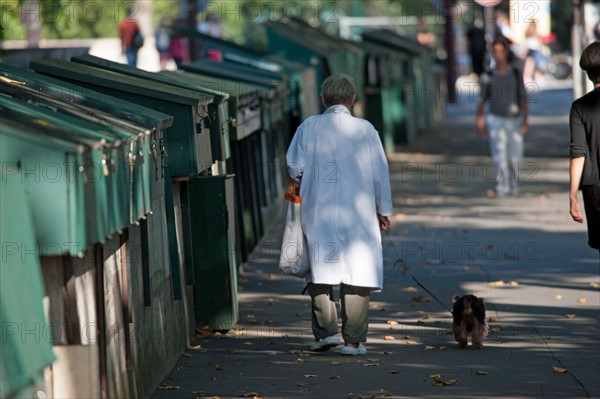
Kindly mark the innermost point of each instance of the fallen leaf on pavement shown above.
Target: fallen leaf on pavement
(389, 337)
(495, 329)
(196, 347)
(559, 370)
(409, 289)
(246, 394)
(513, 283)
(168, 387)
(493, 319)
(437, 380)
(570, 315)
(392, 322)
(421, 298)
(218, 367)
(336, 363)
(498, 283)
(480, 372)
(594, 284)
(582, 300)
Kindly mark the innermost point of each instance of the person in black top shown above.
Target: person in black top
(477, 45)
(585, 148)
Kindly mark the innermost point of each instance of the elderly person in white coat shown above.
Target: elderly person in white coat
(346, 199)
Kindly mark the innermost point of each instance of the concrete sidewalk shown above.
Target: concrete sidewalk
(523, 254)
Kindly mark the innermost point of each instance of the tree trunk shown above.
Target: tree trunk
(31, 17)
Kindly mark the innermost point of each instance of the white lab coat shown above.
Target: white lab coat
(344, 184)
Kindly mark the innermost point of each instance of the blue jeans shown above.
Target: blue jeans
(131, 54)
(506, 147)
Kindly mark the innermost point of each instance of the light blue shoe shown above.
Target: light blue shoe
(324, 344)
(352, 351)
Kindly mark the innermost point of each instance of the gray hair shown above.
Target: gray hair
(338, 89)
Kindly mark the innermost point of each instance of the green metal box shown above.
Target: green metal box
(211, 208)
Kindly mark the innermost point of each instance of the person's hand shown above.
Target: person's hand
(384, 222)
(575, 210)
(524, 128)
(481, 127)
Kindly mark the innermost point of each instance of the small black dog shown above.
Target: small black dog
(469, 317)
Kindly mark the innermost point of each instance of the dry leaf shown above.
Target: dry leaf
(421, 298)
(218, 367)
(594, 284)
(246, 394)
(513, 283)
(248, 343)
(570, 315)
(480, 372)
(581, 300)
(389, 337)
(168, 387)
(495, 329)
(392, 322)
(336, 363)
(409, 289)
(498, 283)
(493, 319)
(426, 317)
(411, 342)
(406, 337)
(440, 382)
(196, 347)
(559, 370)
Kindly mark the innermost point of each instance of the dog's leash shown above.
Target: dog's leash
(406, 270)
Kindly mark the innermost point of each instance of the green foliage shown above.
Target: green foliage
(164, 8)
(63, 19)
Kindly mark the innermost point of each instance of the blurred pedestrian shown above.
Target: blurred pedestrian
(162, 39)
(476, 45)
(506, 121)
(179, 48)
(211, 26)
(346, 199)
(131, 37)
(532, 53)
(585, 148)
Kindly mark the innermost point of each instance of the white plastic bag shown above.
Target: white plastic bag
(294, 258)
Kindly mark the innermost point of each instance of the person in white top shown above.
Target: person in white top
(346, 199)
